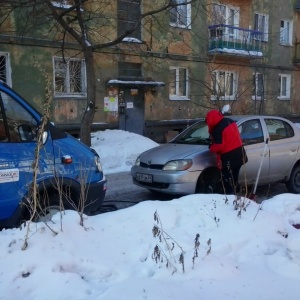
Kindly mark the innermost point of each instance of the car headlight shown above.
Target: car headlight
(98, 164)
(178, 165)
(97, 161)
(138, 161)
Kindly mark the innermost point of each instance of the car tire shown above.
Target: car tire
(293, 184)
(48, 209)
(209, 182)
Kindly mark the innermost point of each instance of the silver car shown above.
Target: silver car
(186, 166)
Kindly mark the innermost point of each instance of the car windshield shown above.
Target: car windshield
(197, 134)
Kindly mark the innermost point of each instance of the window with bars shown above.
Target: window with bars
(5, 68)
(179, 83)
(284, 86)
(180, 15)
(258, 86)
(224, 85)
(69, 77)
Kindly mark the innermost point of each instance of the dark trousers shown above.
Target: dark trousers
(230, 177)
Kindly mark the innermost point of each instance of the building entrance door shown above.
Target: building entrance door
(132, 110)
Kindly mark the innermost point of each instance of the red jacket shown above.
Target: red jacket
(226, 140)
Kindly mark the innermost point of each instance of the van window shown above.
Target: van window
(20, 123)
(3, 136)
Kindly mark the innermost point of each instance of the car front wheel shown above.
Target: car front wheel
(293, 184)
(209, 182)
(47, 209)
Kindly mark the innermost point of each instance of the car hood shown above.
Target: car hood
(164, 153)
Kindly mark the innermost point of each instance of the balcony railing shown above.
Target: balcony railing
(235, 41)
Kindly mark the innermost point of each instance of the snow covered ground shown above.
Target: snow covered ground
(216, 250)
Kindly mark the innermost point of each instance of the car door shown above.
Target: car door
(283, 148)
(253, 137)
(17, 147)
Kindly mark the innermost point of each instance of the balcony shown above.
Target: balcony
(231, 40)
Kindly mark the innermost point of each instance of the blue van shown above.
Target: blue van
(69, 174)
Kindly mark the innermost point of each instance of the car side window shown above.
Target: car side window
(279, 129)
(20, 123)
(251, 132)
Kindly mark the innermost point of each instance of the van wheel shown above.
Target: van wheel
(209, 182)
(49, 208)
(293, 184)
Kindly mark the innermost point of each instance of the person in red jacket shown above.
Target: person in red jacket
(227, 144)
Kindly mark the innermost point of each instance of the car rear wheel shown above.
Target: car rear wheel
(293, 184)
(209, 182)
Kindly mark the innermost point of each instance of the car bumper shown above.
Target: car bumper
(94, 197)
(169, 182)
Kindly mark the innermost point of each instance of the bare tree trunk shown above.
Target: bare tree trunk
(87, 119)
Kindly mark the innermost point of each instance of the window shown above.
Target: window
(225, 15)
(224, 85)
(261, 23)
(286, 29)
(251, 132)
(284, 87)
(180, 16)
(279, 129)
(21, 126)
(69, 77)
(130, 71)
(178, 84)
(258, 86)
(5, 68)
(129, 14)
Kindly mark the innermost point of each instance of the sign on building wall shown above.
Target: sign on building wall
(111, 102)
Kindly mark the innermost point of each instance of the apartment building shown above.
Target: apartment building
(252, 45)
(170, 69)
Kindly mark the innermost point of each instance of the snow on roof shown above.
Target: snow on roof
(236, 51)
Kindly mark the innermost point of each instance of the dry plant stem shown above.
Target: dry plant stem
(258, 210)
(196, 248)
(212, 214)
(158, 220)
(35, 165)
(209, 249)
(157, 256)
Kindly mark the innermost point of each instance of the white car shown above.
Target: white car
(186, 166)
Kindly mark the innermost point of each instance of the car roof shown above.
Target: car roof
(240, 117)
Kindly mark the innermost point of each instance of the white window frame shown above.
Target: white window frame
(227, 20)
(284, 89)
(188, 15)
(261, 23)
(256, 78)
(229, 90)
(67, 71)
(7, 68)
(176, 84)
(286, 32)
